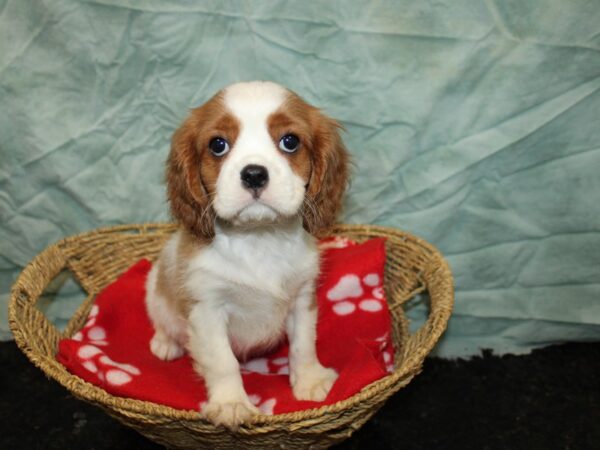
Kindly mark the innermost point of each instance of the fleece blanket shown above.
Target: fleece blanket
(473, 124)
(353, 337)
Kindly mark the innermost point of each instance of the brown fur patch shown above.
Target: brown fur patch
(192, 170)
(322, 159)
(282, 122)
(173, 288)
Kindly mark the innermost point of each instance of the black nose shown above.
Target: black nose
(254, 176)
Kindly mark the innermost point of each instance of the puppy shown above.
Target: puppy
(253, 175)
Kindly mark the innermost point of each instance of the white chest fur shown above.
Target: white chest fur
(252, 277)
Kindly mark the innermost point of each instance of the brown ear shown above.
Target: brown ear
(187, 195)
(329, 175)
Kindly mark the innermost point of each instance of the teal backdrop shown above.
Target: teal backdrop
(473, 124)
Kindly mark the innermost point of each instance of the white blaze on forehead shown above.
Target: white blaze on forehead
(252, 102)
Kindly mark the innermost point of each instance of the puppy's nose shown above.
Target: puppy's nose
(254, 176)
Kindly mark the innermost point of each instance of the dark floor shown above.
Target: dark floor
(547, 400)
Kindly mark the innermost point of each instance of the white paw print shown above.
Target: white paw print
(335, 242)
(256, 365)
(96, 361)
(348, 294)
(385, 351)
(281, 365)
(266, 406)
(90, 332)
(387, 358)
(267, 366)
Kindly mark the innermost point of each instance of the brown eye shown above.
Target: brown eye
(218, 146)
(289, 143)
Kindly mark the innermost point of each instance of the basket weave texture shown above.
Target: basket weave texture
(98, 257)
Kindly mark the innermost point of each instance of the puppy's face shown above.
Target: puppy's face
(256, 153)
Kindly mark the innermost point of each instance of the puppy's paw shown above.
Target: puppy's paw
(230, 414)
(313, 383)
(164, 347)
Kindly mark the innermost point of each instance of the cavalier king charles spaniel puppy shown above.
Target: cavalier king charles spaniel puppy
(253, 176)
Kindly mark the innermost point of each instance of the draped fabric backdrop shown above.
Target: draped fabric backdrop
(473, 124)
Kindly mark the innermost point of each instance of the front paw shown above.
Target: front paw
(165, 347)
(313, 382)
(231, 413)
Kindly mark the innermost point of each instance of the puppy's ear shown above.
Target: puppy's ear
(187, 195)
(329, 176)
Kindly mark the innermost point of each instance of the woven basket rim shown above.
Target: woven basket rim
(134, 407)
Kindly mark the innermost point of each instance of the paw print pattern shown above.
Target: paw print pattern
(385, 352)
(335, 242)
(107, 370)
(351, 293)
(267, 366)
(266, 406)
(90, 331)
(95, 360)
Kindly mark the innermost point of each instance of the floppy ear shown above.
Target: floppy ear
(329, 175)
(187, 195)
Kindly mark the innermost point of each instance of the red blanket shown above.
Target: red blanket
(112, 350)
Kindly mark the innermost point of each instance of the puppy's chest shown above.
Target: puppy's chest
(254, 270)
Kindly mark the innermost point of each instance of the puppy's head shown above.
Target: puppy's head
(256, 153)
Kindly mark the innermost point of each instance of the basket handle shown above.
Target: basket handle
(25, 319)
(420, 343)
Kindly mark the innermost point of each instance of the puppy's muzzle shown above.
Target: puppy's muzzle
(254, 178)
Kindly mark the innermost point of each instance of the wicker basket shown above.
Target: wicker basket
(96, 258)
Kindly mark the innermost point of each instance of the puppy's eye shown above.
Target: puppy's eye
(218, 146)
(289, 143)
